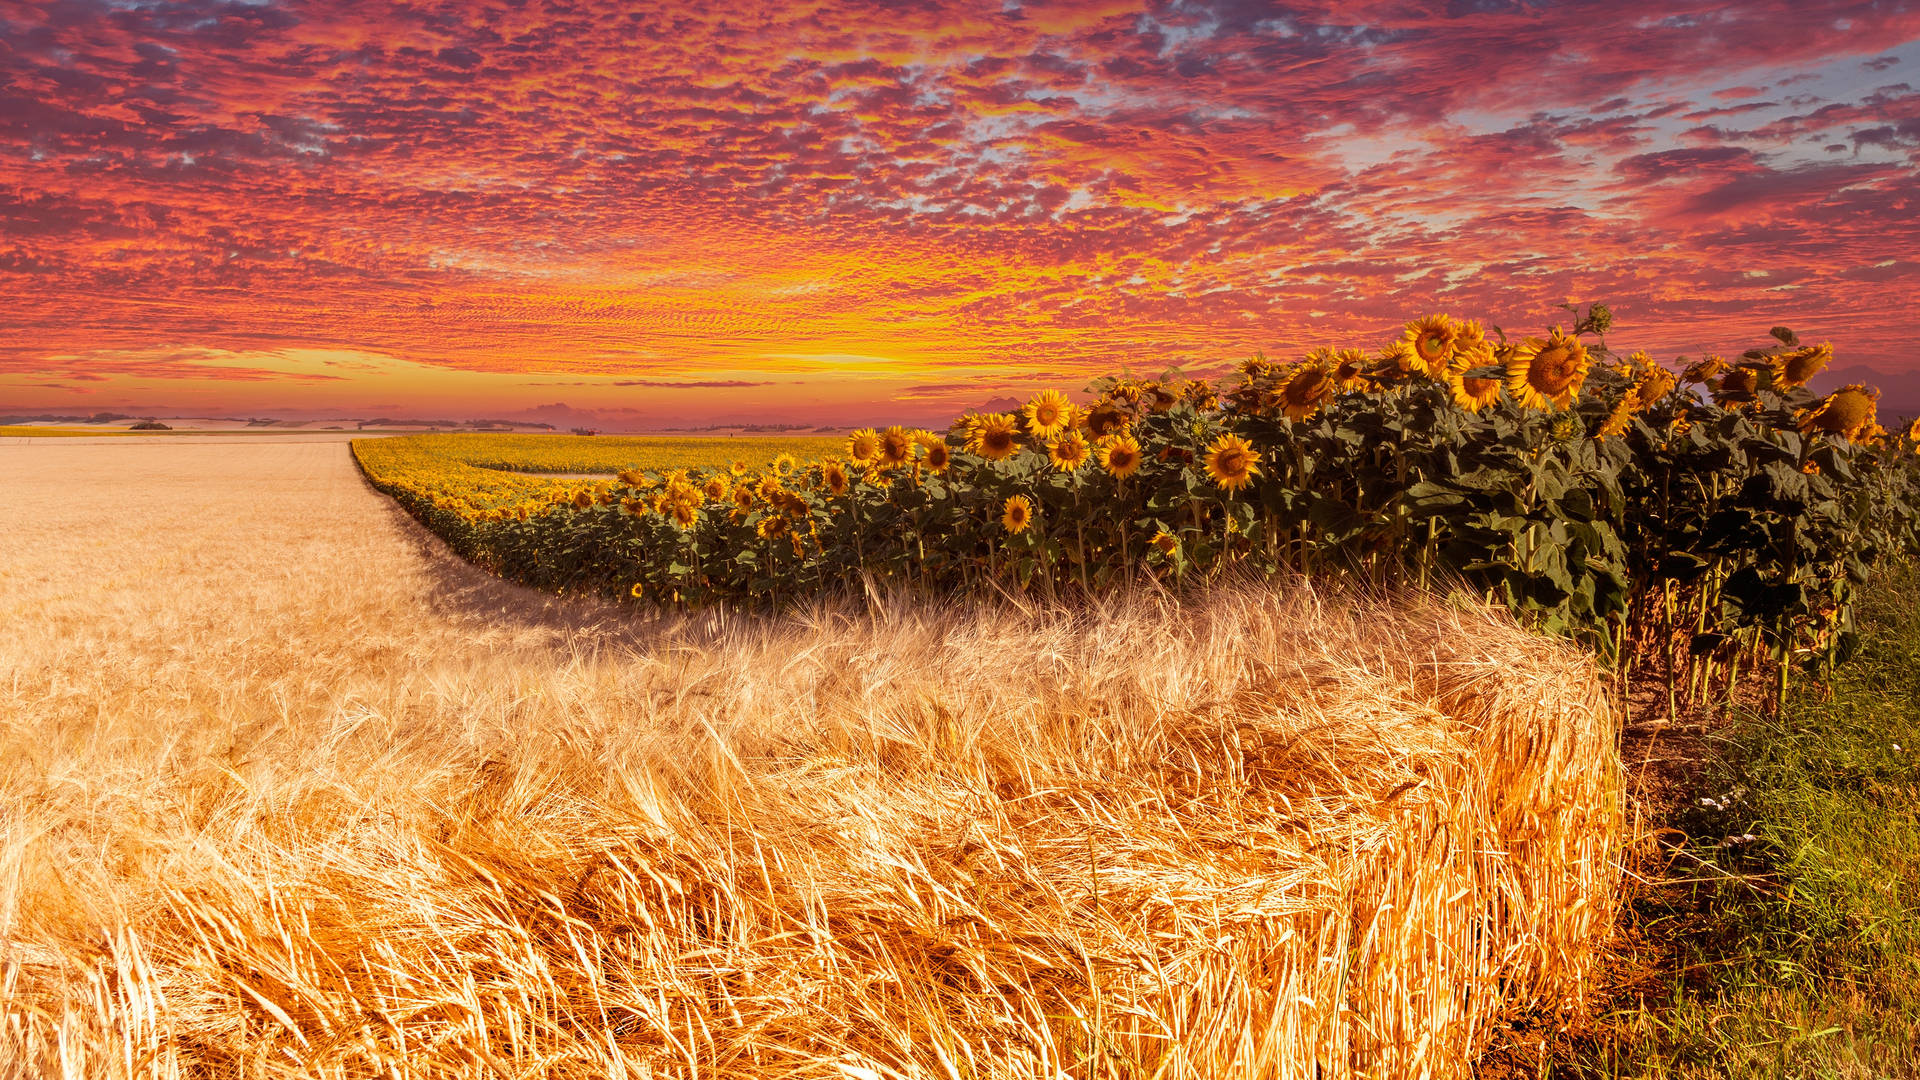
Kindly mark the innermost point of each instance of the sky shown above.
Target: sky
(843, 211)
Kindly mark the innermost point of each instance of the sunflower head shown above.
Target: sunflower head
(1108, 418)
(1305, 387)
(863, 445)
(1701, 371)
(1431, 339)
(1047, 413)
(717, 487)
(834, 476)
(1472, 394)
(1165, 542)
(632, 477)
(1738, 384)
(1847, 413)
(582, 499)
(772, 527)
(1068, 452)
(1653, 383)
(1232, 462)
(1349, 370)
(738, 468)
(939, 458)
(784, 465)
(1397, 363)
(1618, 419)
(1256, 366)
(994, 436)
(1794, 368)
(1017, 515)
(1471, 349)
(896, 446)
(1160, 397)
(1546, 373)
(683, 511)
(1120, 456)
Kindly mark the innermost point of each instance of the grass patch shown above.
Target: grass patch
(1786, 941)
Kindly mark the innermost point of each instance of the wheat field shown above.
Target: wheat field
(286, 790)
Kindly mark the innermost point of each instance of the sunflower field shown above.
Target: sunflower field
(1703, 516)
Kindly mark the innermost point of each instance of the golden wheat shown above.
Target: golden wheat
(287, 791)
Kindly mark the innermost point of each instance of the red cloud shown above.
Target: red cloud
(948, 185)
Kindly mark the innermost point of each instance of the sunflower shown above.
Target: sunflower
(1738, 384)
(637, 591)
(1796, 367)
(1471, 393)
(1913, 435)
(834, 475)
(1847, 413)
(1652, 384)
(738, 468)
(1546, 373)
(993, 436)
(632, 477)
(772, 527)
(1017, 515)
(938, 456)
(1048, 413)
(1432, 341)
(1068, 452)
(1471, 349)
(1232, 462)
(684, 512)
(1256, 366)
(1120, 456)
(783, 466)
(743, 497)
(1698, 372)
(1165, 542)
(1161, 397)
(1617, 420)
(1349, 367)
(1200, 394)
(1108, 418)
(896, 447)
(1306, 387)
(717, 488)
(862, 445)
(1397, 363)
(582, 499)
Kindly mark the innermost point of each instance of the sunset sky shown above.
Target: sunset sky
(834, 212)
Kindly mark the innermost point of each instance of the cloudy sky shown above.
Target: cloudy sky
(861, 210)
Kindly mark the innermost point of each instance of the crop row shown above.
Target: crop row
(1703, 517)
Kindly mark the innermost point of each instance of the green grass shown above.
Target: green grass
(1810, 966)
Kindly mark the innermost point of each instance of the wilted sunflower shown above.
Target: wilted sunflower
(1472, 394)
(896, 446)
(1017, 515)
(1120, 456)
(1702, 370)
(993, 436)
(1796, 367)
(862, 445)
(582, 499)
(1160, 397)
(1068, 452)
(1349, 368)
(1232, 462)
(1738, 384)
(1048, 413)
(1432, 340)
(938, 456)
(1546, 373)
(1108, 418)
(1847, 413)
(1305, 387)
(1165, 542)
(717, 488)
(834, 475)
(1652, 385)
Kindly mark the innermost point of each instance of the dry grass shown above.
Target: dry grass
(285, 791)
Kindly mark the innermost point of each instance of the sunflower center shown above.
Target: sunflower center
(1432, 346)
(1552, 370)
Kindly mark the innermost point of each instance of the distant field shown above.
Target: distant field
(497, 470)
(27, 431)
